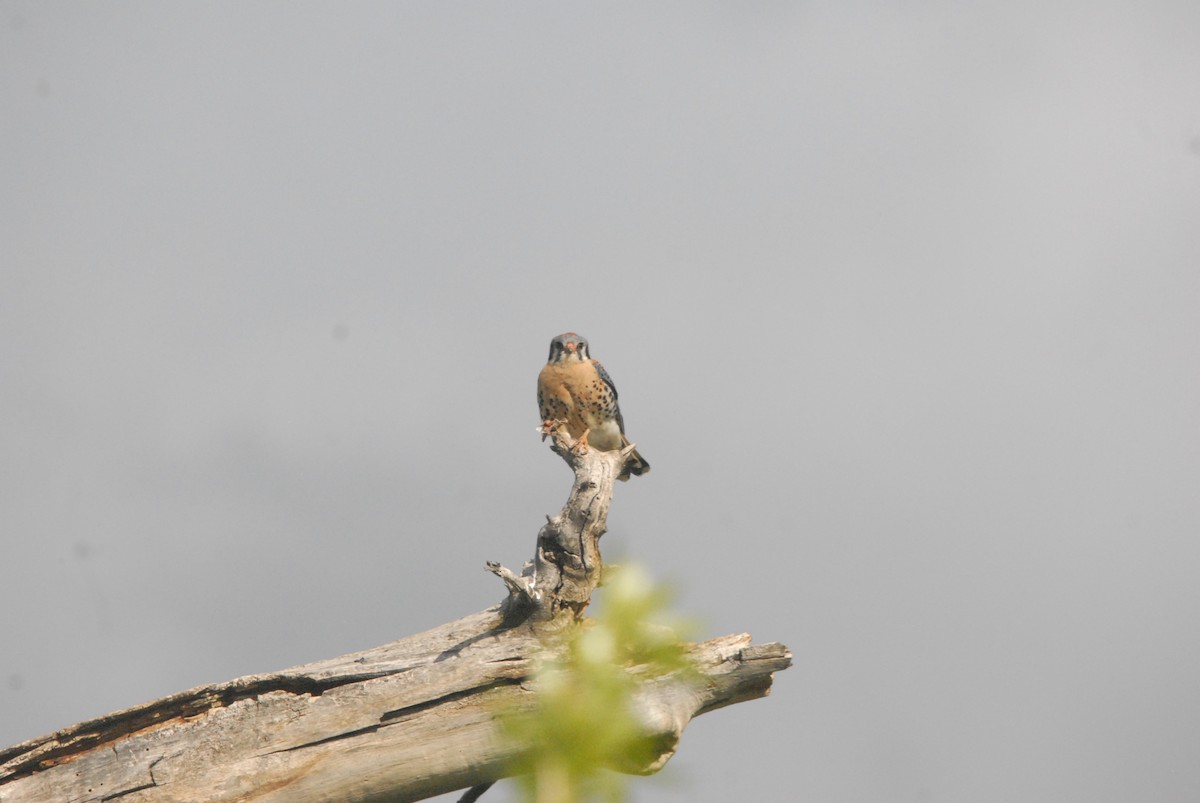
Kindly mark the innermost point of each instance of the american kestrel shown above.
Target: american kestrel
(575, 388)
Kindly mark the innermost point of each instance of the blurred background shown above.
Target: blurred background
(903, 305)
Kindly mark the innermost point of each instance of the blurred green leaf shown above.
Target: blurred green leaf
(583, 721)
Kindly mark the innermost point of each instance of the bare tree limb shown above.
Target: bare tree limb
(401, 722)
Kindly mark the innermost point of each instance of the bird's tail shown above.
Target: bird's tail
(635, 464)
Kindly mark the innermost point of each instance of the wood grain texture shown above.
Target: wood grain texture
(401, 722)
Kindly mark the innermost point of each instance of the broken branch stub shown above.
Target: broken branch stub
(567, 567)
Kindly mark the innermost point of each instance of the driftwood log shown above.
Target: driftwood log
(401, 722)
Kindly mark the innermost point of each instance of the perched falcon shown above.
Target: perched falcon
(575, 388)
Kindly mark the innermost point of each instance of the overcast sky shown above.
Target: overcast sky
(903, 307)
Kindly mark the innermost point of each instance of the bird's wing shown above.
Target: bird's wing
(606, 379)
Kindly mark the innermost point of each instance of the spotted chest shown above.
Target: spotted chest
(576, 392)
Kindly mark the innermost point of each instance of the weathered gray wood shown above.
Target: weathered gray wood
(401, 722)
(414, 713)
(566, 568)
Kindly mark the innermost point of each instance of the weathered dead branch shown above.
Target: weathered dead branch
(401, 722)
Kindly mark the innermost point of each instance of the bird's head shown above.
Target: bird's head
(568, 346)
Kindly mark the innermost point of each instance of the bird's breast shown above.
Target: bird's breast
(574, 392)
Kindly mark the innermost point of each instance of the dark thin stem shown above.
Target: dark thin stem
(475, 792)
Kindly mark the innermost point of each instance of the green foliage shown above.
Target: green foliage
(583, 720)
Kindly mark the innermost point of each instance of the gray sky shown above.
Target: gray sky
(904, 308)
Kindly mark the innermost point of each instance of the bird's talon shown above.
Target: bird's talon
(548, 427)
